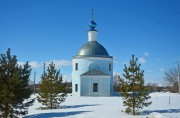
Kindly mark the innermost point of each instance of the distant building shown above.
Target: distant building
(92, 72)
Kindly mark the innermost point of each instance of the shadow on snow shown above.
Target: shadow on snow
(78, 106)
(62, 114)
(147, 112)
(55, 114)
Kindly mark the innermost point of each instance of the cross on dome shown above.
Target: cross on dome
(92, 13)
(92, 24)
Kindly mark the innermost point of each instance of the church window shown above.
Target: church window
(76, 66)
(76, 87)
(95, 87)
(109, 67)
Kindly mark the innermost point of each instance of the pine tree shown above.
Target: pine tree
(51, 90)
(14, 86)
(135, 95)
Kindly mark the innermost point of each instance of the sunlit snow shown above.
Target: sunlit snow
(164, 105)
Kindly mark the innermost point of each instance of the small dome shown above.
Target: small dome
(93, 49)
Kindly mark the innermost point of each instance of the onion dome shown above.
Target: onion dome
(92, 25)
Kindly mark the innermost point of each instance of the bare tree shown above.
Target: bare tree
(152, 87)
(170, 78)
(116, 83)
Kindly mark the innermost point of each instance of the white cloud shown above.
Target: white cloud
(162, 69)
(59, 63)
(115, 60)
(116, 73)
(34, 64)
(67, 78)
(142, 60)
(146, 54)
(20, 63)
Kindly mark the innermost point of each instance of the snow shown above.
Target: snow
(156, 115)
(109, 107)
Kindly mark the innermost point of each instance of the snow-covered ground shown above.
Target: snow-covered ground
(109, 107)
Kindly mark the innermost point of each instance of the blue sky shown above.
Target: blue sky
(41, 31)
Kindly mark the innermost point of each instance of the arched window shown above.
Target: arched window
(110, 67)
(76, 87)
(76, 66)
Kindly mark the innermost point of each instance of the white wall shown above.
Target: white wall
(103, 85)
(83, 66)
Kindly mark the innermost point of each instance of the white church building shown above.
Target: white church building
(92, 72)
